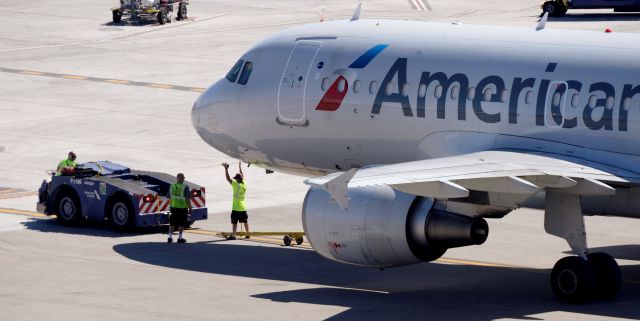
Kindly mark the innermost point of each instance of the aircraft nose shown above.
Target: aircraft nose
(203, 113)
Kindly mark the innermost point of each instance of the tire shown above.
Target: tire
(182, 12)
(121, 214)
(287, 240)
(573, 279)
(608, 276)
(299, 240)
(162, 16)
(117, 16)
(554, 8)
(67, 208)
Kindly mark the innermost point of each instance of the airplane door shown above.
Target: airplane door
(555, 104)
(291, 93)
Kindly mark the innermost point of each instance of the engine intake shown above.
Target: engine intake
(385, 227)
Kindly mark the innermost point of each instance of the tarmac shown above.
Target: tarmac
(72, 80)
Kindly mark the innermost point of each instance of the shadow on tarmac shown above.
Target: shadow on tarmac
(623, 252)
(129, 22)
(604, 17)
(416, 292)
(91, 228)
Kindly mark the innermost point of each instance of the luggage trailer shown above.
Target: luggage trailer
(160, 10)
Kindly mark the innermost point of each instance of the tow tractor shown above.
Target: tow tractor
(161, 10)
(127, 198)
(557, 8)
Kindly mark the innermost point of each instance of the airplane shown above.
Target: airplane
(412, 133)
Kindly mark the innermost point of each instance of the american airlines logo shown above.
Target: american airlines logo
(598, 112)
(334, 96)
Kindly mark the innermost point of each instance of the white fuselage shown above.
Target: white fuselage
(431, 90)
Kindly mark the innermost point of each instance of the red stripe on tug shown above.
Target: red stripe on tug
(333, 98)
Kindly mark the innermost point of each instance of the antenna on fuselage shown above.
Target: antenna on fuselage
(356, 13)
(542, 22)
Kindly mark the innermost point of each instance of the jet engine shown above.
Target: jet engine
(385, 227)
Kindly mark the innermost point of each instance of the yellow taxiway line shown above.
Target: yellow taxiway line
(20, 212)
(75, 77)
(17, 194)
(101, 80)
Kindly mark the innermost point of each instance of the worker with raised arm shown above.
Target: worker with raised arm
(67, 166)
(239, 208)
(180, 208)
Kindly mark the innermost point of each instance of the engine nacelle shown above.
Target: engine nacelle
(385, 227)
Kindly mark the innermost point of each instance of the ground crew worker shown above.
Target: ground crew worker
(239, 208)
(67, 165)
(180, 208)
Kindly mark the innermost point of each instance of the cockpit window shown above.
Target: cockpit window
(246, 72)
(233, 73)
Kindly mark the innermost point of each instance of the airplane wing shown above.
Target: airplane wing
(498, 171)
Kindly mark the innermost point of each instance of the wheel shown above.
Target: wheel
(554, 8)
(299, 240)
(287, 240)
(121, 214)
(573, 279)
(563, 10)
(162, 16)
(608, 276)
(117, 16)
(68, 208)
(182, 12)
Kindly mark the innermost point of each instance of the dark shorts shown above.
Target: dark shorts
(239, 216)
(179, 217)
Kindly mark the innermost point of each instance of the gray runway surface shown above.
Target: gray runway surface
(71, 80)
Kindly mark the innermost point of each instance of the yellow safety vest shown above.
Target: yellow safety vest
(65, 163)
(177, 196)
(239, 190)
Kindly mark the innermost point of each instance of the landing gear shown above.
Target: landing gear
(608, 276)
(587, 276)
(577, 280)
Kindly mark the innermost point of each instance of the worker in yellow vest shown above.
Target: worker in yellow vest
(239, 208)
(180, 208)
(67, 166)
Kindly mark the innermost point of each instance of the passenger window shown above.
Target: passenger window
(487, 94)
(575, 100)
(232, 75)
(246, 73)
(342, 84)
(373, 87)
(405, 89)
(505, 96)
(556, 99)
(528, 98)
(356, 86)
(422, 91)
(438, 92)
(325, 84)
(389, 88)
(610, 101)
(472, 93)
(454, 92)
(626, 104)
